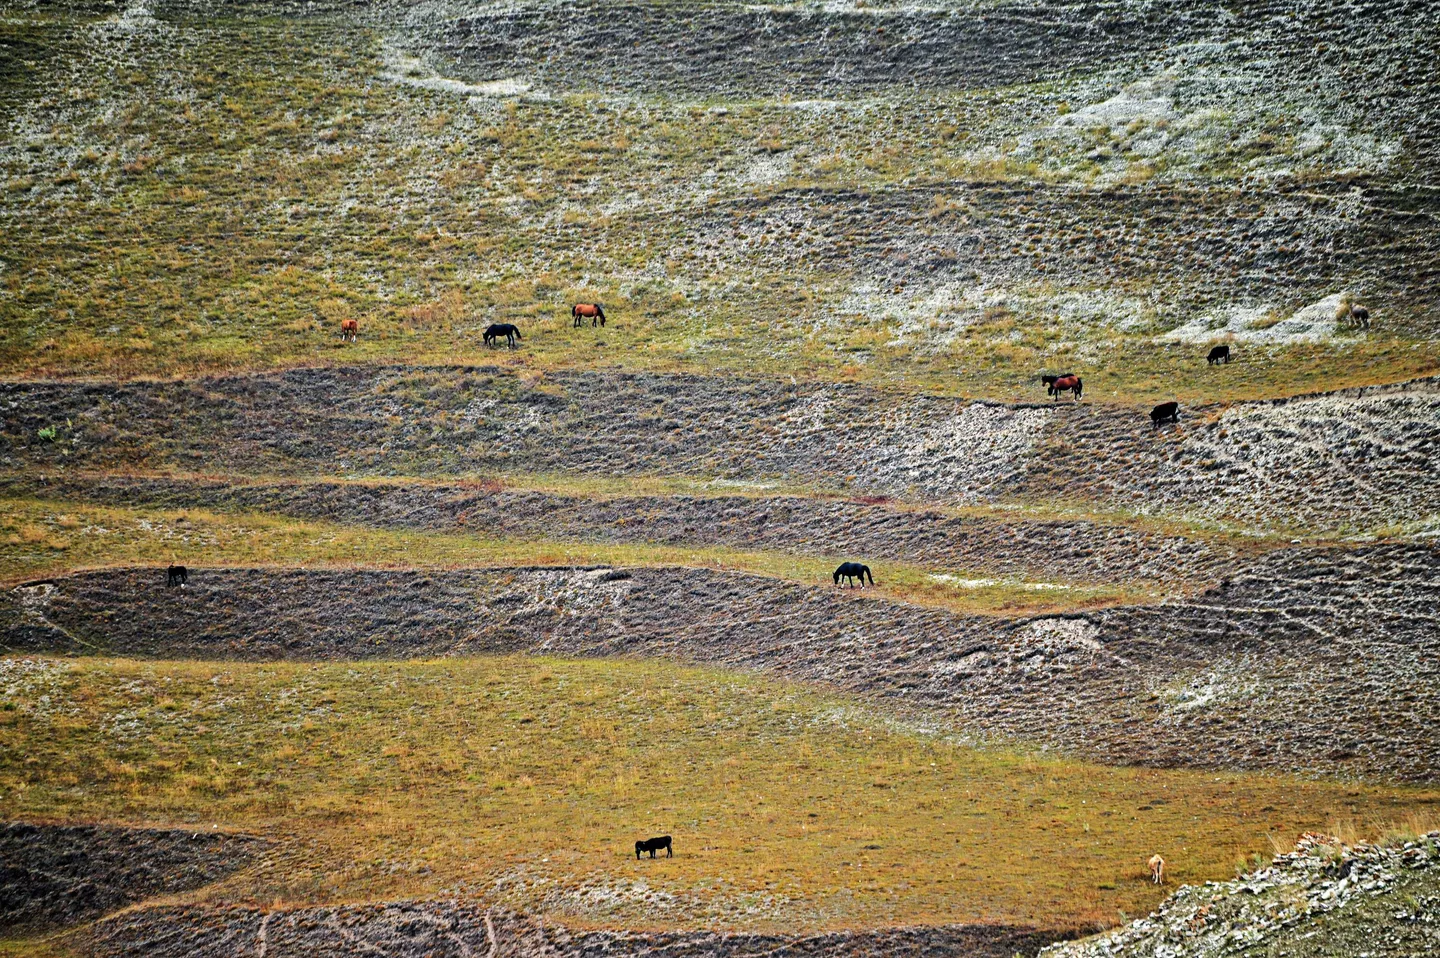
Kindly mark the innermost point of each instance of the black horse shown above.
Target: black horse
(652, 845)
(1165, 412)
(851, 571)
(495, 330)
(1220, 354)
(176, 575)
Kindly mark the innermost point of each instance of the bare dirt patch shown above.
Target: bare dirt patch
(452, 929)
(57, 875)
(1313, 461)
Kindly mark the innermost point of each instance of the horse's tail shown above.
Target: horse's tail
(517, 332)
(865, 570)
(575, 310)
(1079, 386)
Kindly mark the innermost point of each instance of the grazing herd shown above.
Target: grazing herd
(350, 328)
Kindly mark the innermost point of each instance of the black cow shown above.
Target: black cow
(652, 845)
(176, 575)
(851, 571)
(494, 331)
(1220, 354)
(1165, 412)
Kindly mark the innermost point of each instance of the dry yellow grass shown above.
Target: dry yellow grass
(527, 781)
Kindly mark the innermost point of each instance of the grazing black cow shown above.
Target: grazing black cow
(652, 845)
(1165, 412)
(494, 331)
(1220, 354)
(176, 575)
(851, 571)
(1360, 316)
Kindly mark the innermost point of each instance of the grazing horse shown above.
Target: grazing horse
(494, 331)
(1049, 381)
(1360, 316)
(1157, 869)
(652, 845)
(1165, 412)
(591, 310)
(349, 330)
(851, 571)
(1071, 384)
(176, 575)
(1220, 354)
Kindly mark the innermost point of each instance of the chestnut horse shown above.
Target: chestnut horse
(349, 330)
(1070, 384)
(591, 310)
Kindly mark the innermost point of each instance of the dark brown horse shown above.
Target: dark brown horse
(1048, 381)
(494, 331)
(850, 571)
(1165, 412)
(652, 845)
(592, 310)
(1070, 384)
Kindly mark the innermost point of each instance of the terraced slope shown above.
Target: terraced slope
(838, 243)
(1337, 462)
(1306, 661)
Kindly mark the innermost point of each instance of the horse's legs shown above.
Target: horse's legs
(669, 850)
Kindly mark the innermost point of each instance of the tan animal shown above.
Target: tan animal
(1157, 869)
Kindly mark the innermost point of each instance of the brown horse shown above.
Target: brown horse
(592, 310)
(1070, 384)
(349, 330)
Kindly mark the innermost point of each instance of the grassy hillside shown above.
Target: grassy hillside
(527, 781)
(837, 243)
(945, 198)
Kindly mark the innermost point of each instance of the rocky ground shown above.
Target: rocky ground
(452, 929)
(1322, 899)
(1305, 660)
(1347, 461)
(53, 876)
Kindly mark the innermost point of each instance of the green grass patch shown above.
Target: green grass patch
(528, 781)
